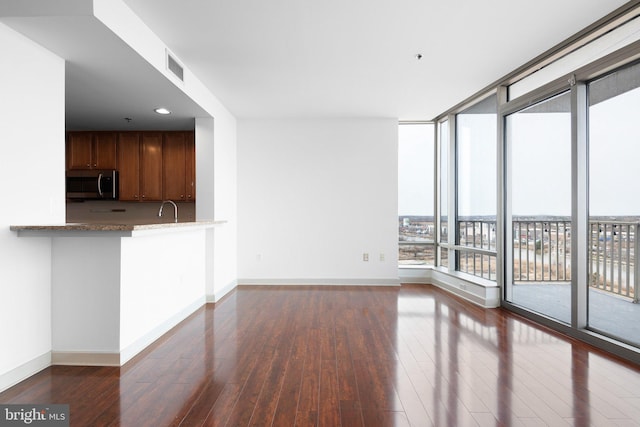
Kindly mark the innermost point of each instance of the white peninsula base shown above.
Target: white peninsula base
(115, 291)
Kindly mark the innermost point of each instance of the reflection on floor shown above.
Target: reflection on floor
(608, 313)
(348, 356)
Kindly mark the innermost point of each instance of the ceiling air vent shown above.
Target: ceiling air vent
(174, 66)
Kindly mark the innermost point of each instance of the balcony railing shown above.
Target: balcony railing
(613, 266)
(477, 248)
(541, 251)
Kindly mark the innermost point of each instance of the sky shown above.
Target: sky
(541, 162)
(614, 144)
(415, 169)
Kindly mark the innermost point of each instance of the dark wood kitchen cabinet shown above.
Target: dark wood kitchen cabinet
(178, 166)
(129, 165)
(151, 166)
(140, 166)
(91, 150)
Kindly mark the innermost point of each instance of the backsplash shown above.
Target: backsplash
(116, 212)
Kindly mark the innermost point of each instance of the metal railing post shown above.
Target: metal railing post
(636, 264)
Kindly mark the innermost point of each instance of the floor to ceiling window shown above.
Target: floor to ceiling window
(416, 226)
(443, 193)
(476, 174)
(538, 147)
(614, 205)
(536, 189)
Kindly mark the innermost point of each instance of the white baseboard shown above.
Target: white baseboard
(324, 282)
(222, 292)
(84, 358)
(24, 371)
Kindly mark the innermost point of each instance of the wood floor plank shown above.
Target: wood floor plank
(348, 356)
(329, 400)
(350, 413)
(246, 402)
(347, 384)
(199, 411)
(327, 344)
(381, 418)
(310, 385)
(287, 407)
(265, 406)
(376, 389)
(221, 410)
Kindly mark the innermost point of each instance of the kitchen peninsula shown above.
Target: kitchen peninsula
(118, 287)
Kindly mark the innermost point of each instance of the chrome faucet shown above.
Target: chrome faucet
(175, 209)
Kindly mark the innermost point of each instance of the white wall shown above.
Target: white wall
(313, 196)
(32, 177)
(225, 169)
(86, 294)
(216, 189)
(162, 282)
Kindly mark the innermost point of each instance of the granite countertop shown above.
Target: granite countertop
(100, 227)
(112, 227)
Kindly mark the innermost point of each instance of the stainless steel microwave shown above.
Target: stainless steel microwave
(92, 184)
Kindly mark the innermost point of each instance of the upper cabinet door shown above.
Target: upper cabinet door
(79, 150)
(91, 150)
(104, 150)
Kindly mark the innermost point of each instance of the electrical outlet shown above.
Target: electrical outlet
(365, 257)
(258, 257)
(381, 256)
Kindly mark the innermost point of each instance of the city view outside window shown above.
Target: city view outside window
(416, 230)
(476, 172)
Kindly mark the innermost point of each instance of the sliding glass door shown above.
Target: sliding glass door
(538, 197)
(614, 205)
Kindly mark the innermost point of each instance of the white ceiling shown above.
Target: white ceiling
(298, 58)
(337, 58)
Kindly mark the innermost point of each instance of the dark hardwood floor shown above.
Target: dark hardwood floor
(348, 356)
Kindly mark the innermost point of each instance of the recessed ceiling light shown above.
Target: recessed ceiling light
(162, 110)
